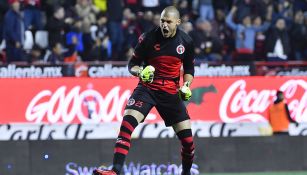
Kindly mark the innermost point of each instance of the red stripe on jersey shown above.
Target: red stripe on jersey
(121, 150)
(166, 66)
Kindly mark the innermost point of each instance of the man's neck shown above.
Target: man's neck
(173, 34)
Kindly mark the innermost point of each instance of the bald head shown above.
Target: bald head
(171, 11)
(170, 19)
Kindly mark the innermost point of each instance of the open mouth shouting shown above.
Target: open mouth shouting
(165, 32)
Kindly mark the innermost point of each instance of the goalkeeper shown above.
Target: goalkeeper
(157, 61)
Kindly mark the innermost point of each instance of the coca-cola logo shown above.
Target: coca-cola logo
(241, 104)
(295, 92)
(75, 105)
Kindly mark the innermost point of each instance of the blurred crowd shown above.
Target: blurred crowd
(57, 31)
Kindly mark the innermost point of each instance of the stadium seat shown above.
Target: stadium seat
(41, 38)
(29, 41)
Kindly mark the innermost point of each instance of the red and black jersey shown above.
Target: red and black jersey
(166, 55)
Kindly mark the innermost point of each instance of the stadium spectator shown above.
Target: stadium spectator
(49, 5)
(299, 5)
(224, 33)
(35, 55)
(165, 3)
(75, 36)
(33, 15)
(87, 12)
(3, 8)
(133, 5)
(207, 46)
(102, 48)
(14, 30)
(279, 116)
(222, 5)
(59, 55)
(183, 8)
(283, 9)
(131, 31)
(156, 19)
(115, 17)
(278, 42)
(100, 51)
(298, 35)
(185, 11)
(250, 8)
(126, 15)
(187, 27)
(56, 26)
(146, 22)
(56, 56)
(150, 5)
(245, 45)
(100, 30)
(260, 51)
(204, 8)
(245, 35)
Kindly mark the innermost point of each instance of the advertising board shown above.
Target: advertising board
(99, 100)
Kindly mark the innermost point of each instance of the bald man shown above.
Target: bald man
(157, 61)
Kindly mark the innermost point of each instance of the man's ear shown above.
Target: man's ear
(178, 22)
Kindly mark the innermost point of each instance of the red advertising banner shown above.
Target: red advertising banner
(96, 100)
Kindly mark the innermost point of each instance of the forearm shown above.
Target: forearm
(134, 66)
(135, 70)
(188, 78)
(229, 18)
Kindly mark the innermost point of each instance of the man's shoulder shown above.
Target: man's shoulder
(9, 13)
(152, 32)
(186, 37)
(147, 36)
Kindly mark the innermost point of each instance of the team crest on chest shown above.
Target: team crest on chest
(180, 49)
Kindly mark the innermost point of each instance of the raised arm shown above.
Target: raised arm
(229, 18)
(263, 27)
